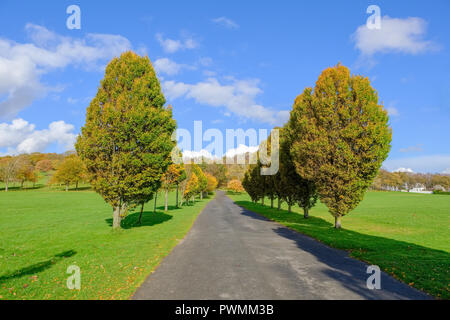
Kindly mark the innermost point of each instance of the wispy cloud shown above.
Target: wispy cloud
(226, 22)
(416, 148)
(237, 96)
(172, 45)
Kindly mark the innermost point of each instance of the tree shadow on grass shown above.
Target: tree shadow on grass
(149, 218)
(425, 268)
(37, 267)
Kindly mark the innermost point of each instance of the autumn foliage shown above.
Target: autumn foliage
(235, 186)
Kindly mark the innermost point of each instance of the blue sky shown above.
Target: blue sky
(231, 64)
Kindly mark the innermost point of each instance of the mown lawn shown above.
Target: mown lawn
(406, 234)
(43, 232)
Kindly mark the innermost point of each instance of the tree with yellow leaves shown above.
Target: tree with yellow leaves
(235, 186)
(340, 137)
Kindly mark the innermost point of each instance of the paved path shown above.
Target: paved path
(232, 253)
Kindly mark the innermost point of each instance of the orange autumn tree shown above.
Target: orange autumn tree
(235, 186)
(212, 183)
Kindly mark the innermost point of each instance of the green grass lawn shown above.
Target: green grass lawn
(43, 232)
(406, 234)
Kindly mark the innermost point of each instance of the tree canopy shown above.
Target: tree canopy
(126, 141)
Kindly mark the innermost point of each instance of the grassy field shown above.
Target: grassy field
(406, 234)
(43, 232)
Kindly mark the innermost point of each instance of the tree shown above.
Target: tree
(250, 182)
(340, 138)
(9, 167)
(182, 177)
(202, 180)
(70, 171)
(44, 165)
(218, 170)
(212, 183)
(126, 141)
(235, 186)
(191, 187)
(25, 170)
(169, 179)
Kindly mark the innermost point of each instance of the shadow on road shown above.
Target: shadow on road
(407, 261)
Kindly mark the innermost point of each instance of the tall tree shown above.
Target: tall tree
(126, 141)
(340, 137)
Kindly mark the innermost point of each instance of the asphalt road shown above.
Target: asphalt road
(233, 253)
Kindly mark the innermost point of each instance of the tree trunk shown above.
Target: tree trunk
(154, 206)
(6, 185)
(67, 187)
(289, 208)
(306, 213)
(165, 200)
(262, 202)
(76, 186)
(116, 218)
(21, 184)
(177, 197)
(201, 195)
(140, 215)
(279, 204)
(271, 202)
(337, 222)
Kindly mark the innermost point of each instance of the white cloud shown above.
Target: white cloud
(19, 136)
(167, 66)
(205, 61)
(238, 97)
(409, 170)
(23, 64)
(392, 111)
(396, 35)
(430, 163)
(230, 153)
(171, 45)
(227, 23)
(446, 171)
(241, 149)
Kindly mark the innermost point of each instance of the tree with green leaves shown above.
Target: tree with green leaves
(126, 141)
(248, 182)
(292, 187)
(70, 171)
(340, 138)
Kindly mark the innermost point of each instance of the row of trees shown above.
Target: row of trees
(332, 147)
(386, 180)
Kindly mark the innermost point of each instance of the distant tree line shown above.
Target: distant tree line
(396, 181)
